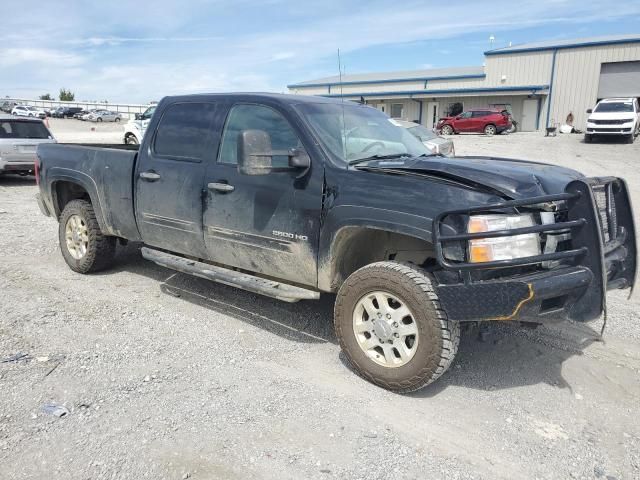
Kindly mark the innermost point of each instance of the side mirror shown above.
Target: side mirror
(138, 116)
(254, 152)
(299, 159)
(590, 110)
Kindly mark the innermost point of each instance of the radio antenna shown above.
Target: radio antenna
(344, 126)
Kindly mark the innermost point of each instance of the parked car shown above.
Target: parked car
(19, 138)
(28, 111)
(66, 112)
(435, 143)
(486, 120)
(614, 116)
(104, 116)
(294, 204)
(7, 106)
(85, 114)
(134, 129)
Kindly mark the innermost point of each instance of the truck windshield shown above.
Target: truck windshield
(614, 107)
(21, 129)
(351, 132)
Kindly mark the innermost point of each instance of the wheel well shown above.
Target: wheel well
(64, 192)
(355, 247)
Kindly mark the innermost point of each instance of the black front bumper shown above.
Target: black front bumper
(602, 257)
(538, 297)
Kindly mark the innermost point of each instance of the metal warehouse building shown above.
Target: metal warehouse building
(540, 83)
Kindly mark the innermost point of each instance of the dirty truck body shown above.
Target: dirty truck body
(290, 196)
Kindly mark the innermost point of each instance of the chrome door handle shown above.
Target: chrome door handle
(221, 187)
(149, 176)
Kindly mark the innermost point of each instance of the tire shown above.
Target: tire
(490, 130)
(447, 130)
(98, 119)
(434, 345)
(131, 140)
(117, 120)
(631, 138)
(99, 248)
(588, 138)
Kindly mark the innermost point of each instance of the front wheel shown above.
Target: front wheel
(131, 140)
(392, 328)
(490, 130)
(446, 130)
(84, 247)
(98, 119)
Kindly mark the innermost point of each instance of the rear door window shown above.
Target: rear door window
(184, 131)
(17, 129)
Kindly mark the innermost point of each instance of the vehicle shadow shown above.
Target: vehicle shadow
(304, 321)
(495, 356)
(13, 180)
(499, 356)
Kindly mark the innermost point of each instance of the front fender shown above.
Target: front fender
(346, 216)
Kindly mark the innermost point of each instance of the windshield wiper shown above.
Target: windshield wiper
(378, 157)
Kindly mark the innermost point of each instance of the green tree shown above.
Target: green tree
(46, 96)
(67, 95)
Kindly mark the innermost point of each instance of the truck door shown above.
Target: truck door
(268, 223)
(170, 175)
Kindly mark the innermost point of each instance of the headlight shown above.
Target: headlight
(502, 248)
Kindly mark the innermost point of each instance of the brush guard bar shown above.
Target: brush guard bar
(602, 252)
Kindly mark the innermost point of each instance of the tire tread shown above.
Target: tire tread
(450, 330)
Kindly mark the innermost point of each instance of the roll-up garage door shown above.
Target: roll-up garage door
(619, 79)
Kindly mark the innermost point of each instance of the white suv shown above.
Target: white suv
(614, 116)
(134, 129)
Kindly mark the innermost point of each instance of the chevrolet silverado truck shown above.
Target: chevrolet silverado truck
(294, 197)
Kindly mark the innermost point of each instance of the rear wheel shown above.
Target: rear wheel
(84, 247)
(391, 327)
(490, 130)
(117, 120)
(446, 130)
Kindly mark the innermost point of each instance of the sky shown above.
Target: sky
(139, 51)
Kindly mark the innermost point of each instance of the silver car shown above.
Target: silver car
(432, 141)
(19, 139)
(104, 116)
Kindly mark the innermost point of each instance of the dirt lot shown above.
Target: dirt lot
(166, 376)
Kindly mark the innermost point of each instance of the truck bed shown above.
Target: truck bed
(106, 173)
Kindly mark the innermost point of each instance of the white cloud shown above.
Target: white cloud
(38, 56)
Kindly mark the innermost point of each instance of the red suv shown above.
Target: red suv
(486, 120)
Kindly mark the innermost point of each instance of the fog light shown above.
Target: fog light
(502, 248)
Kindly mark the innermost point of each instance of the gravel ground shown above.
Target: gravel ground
(169, 376)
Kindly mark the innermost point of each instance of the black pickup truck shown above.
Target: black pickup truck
(292, 196)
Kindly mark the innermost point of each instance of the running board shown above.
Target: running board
(270, 288)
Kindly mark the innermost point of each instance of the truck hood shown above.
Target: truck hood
(511, 178)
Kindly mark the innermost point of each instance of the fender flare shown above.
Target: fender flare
(62, 174)
(373, 218)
